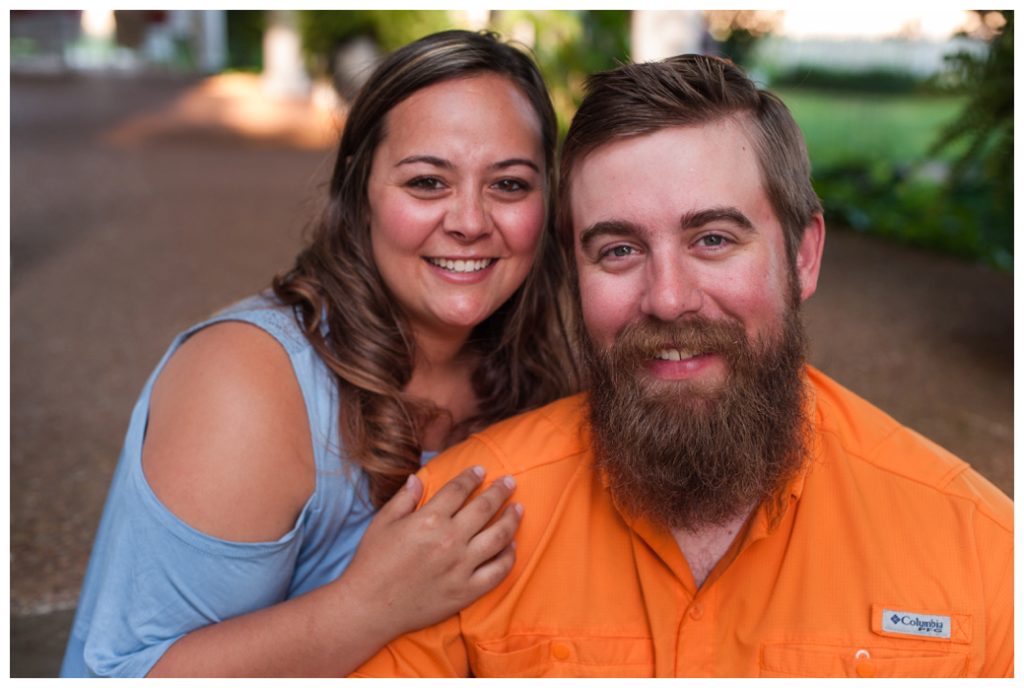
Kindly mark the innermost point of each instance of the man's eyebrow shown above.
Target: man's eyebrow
(606, 228)
(699, 218)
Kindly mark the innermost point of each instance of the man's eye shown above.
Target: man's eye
(425, 183)
(619, 252)
(713, 240)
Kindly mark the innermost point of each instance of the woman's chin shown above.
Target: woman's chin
(463, 318)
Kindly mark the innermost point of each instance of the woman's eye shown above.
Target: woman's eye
(426, 183)
(511, 185)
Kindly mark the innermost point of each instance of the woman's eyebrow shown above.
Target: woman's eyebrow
(429, 159)
(512, 162)
(446, 164)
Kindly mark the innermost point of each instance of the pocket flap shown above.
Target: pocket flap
(782, 660)
(564, 656)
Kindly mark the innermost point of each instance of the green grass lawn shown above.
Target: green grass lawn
(840, 127)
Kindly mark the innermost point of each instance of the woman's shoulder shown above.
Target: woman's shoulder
(268, 314)
(228, 447)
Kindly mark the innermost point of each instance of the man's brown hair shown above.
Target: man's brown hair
(689, 90)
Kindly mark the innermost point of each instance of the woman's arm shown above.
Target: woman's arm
(412, 570)
(228, 451)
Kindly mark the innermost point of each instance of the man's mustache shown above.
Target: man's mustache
(642, 340)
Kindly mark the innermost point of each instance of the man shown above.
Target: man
(714, 506)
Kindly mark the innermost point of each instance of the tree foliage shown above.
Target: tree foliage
(985, 131)
(568, 46)
(737, 32)
(322, 31)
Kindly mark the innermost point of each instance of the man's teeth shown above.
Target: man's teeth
(461, 265)
(674, 354)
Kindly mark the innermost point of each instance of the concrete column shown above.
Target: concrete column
(284, 74)
(657, 34)
(213, 40)
(179, 22)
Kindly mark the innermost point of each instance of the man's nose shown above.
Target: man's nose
(671, 291)
(467, 218)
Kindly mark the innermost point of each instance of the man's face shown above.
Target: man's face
(695, 347)
(673, 226)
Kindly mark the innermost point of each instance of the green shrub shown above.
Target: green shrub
(879, 198)
(984, 133)
(323, 31)
(876, 80)
(245, 39)
(569, 45)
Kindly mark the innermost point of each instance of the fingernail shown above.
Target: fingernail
(410, 481)
(519, 509)
(509, 482)
(478, 471)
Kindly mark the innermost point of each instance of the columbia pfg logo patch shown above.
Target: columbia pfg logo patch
(917, 625)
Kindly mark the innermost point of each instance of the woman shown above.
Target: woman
(423, 309)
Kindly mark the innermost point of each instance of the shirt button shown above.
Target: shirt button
(696, 611)
(865, 669)
(560, 651)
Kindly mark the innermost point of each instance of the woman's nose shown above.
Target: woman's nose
(467, 219)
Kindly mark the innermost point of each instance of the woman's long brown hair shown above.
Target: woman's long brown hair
(353, 323)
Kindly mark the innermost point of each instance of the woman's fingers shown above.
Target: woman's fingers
(481, 509)
(495, 538)
(493, 571)
(450, 498)
(469, 529)
(403, 502)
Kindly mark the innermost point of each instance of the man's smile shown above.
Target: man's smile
(674, 354)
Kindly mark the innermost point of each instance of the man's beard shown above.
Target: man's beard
(686, 456)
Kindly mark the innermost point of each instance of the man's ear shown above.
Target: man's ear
(808, 256)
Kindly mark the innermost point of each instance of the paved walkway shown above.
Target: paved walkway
(139, 206)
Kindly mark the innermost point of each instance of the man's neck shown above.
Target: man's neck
(704, 547)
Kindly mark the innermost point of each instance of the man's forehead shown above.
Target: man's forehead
(736, 125)
(687, 167)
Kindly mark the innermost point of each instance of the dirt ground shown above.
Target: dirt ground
(140, 206)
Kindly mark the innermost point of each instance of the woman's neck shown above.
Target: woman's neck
(439, 352)
(442, 375)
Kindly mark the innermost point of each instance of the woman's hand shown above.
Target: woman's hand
(412, 569)
(416, 568)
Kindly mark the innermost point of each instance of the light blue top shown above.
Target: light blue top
(152, 578)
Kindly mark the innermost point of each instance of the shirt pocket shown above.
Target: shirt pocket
(783, 660)
(552, 656)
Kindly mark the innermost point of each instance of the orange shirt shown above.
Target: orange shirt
(887, 556)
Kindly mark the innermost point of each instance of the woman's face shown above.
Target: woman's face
(456, 194)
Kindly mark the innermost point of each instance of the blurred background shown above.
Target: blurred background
(166, 163)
